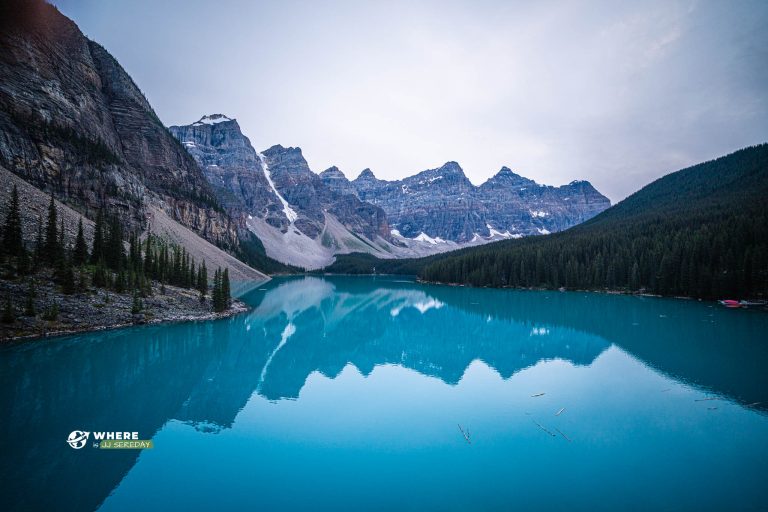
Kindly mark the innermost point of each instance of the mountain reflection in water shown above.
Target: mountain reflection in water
(203, 374)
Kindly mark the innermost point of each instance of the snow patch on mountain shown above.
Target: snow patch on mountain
(212, 119)
(289, 212)
(423, 237)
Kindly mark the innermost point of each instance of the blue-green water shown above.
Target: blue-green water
(347, 393)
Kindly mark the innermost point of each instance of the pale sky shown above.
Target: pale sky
(618, 93)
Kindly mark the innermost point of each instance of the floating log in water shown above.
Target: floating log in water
(754, 404)
(564, 436)
(544, 429)
(465, 434)
(665, 390)
(558, 413)
(707, 399)
(538, 394)
(711, 408)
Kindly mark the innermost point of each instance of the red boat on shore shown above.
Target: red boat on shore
(729, 303)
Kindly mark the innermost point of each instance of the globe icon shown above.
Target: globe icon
(77, 439)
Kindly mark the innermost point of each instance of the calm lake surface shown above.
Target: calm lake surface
(346, 393)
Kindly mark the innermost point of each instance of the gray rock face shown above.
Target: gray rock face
(443, 203)
(239, 176)
(232, 167)
(311, 196)
(73, 123)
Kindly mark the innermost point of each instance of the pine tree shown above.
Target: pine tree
(100, 275)
(13, 244)
(202, 280)
(61, 245)
(114, 250)
(191, 279)
(51, 244)
(97, 249)
(38, 257)
(82, 281)
(148, 257)
(138, 305)
(216, 295)
(68, 278)
(120, 279)
(225, 291)
(80, 254)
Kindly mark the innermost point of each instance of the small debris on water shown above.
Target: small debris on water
(544, 429)
(564, 436)
(538, 394)
(558, 413)
(465, 434)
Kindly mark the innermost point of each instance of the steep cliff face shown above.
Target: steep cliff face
(443, 204)
(73, 123)
(312, 197)
(232, 167)
(298, 218)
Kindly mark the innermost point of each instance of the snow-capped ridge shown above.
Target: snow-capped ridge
(212, 119)
(423, 237)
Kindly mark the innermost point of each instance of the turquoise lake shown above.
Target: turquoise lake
(347, 393)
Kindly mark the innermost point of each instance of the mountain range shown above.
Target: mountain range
(699, 232)
(75, 125)
(305, 219)
(443, 203)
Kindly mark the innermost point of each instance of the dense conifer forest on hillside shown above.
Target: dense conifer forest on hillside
(700, 232)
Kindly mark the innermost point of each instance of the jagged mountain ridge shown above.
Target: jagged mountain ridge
(297, 217)
(304, 218)
(232, 167)
(442, 203)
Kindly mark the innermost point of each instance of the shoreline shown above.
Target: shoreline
(418, 280)
(54, 314)
(238, 307)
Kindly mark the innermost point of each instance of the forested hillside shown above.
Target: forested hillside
(700, 232)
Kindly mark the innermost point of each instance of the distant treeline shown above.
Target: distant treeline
(700, 232)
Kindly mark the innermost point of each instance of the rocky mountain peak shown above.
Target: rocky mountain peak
(452, 167)
(367, 174)
(212, 119)
(290, 160)
(507, 177)
(333, 173)
(450, 174)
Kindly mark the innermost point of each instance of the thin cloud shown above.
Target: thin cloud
(616, 93)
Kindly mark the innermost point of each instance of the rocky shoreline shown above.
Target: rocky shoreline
(99, 310)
